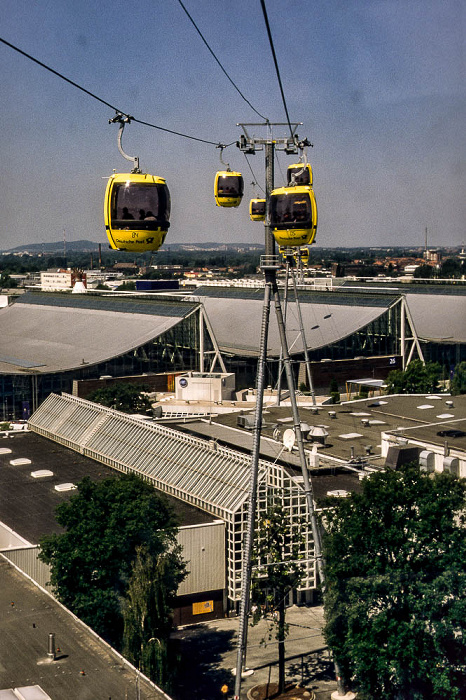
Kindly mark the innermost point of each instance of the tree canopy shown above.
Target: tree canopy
(93, 562)
(395, 598)
(277, 570)
(127, 398)
(458, 383)
(417, 378)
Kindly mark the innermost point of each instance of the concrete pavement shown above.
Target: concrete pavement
(208, 653)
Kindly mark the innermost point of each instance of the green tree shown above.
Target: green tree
(129, 286)
(458, 383)
(424, 272)
(147, 613)
(334, 392)
(417, 378)
(92, 561)
(277, 570)
(451, 268)
(127, 398)
(395, 597)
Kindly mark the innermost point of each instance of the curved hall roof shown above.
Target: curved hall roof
(54, 332)
(438, 318)
(235, 315)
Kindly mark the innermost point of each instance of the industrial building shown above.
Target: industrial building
(197, 472)
(203, 465)
(51, 340)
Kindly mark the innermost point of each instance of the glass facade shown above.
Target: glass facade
(178, 350)
(175, 350)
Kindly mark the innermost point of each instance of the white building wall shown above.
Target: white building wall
(204, 554)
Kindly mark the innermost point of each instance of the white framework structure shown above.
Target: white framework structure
(199, 472)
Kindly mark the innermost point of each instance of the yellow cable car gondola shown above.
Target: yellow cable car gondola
(301, 256)
(299, 174)
(305, 257)
(228, 188)
(257, 209)
(293, 215)
(136, 211)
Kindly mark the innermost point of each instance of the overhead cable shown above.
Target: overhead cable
(252, 173)
(108, 104)
(264, 11)
(218, 62)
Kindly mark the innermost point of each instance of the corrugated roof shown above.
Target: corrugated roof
(59, 332)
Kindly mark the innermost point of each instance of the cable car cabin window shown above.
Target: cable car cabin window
(258, 208)
(299, 175)
(290, 209)
(230, 186)
(140, 207)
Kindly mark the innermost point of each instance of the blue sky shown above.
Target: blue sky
(378, 84)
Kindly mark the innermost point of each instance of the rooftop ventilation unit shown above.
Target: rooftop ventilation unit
(318, 434)
(245, 422)
(427, 461)
(305, 429)
(20, 462)
(5, 451)
(452, 465)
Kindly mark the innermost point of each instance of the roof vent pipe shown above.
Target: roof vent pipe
(51, 647)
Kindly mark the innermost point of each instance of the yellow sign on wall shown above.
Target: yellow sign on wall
(206, 606)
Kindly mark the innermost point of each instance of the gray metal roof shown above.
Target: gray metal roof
(439, 317)
(236, 319)
(59, 332)
(235, 315)
(87, 667)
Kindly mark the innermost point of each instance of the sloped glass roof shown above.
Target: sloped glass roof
(157, 306)
(212, 477)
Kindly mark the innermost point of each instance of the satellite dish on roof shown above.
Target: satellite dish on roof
(289, 439)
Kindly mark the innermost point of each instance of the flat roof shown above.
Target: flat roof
(27, 504)
(85, 666)
(351, 426)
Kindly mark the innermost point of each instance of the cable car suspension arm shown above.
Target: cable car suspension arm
(123, 119)
(222, 146)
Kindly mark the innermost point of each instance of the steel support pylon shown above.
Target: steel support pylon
(270, 266)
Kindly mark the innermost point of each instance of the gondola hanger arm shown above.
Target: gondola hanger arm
(123, 119)
(222, 146)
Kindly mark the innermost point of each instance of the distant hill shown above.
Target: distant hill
(92, 246)
(56, 247)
